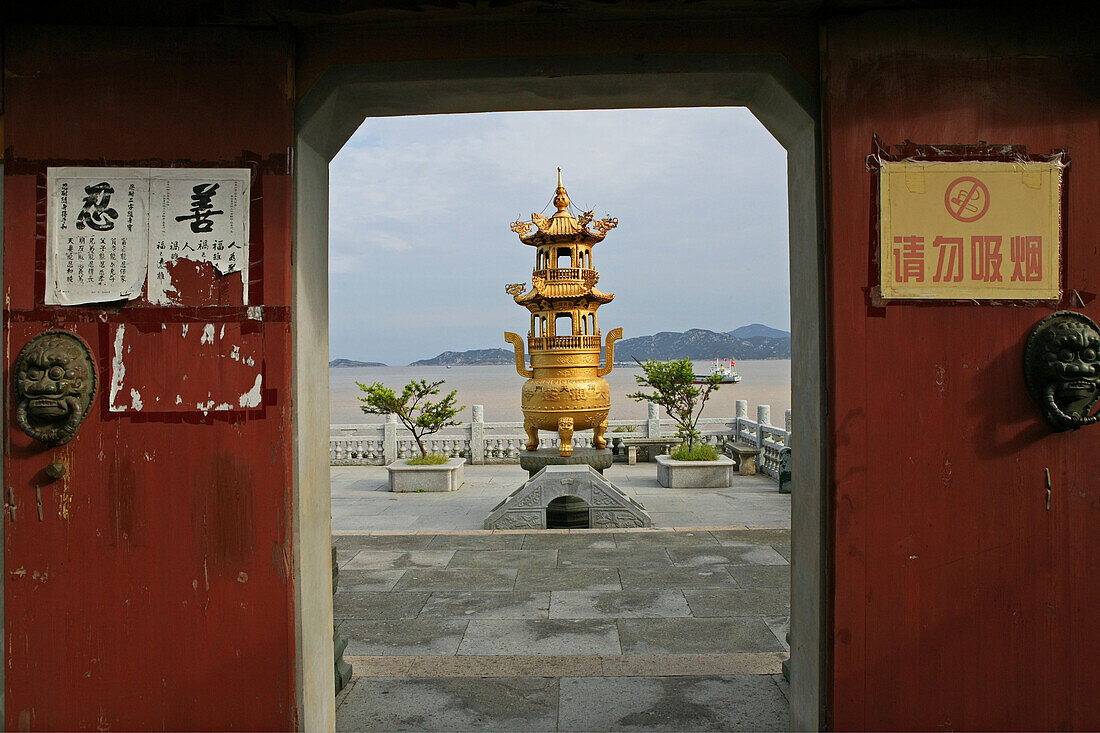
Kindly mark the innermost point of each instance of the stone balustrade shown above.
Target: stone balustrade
(502, 442)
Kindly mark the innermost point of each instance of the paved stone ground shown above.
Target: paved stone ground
(565, 630)
(361, 500)
(453, 627)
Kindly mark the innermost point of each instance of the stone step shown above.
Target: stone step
(577, 665)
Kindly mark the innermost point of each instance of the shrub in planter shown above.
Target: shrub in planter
(432, 459)
(698, 453)
(676, 473)
(422, 417)
(674, 389)
(413, 407)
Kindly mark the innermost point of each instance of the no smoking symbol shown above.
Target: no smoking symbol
(967, 199)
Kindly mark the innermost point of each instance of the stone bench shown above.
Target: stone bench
(745, 456)
(653, 447)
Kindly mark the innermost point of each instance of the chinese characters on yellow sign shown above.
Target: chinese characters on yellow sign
(962, 231)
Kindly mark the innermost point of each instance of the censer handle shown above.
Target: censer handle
(609, 357)
(517, 343)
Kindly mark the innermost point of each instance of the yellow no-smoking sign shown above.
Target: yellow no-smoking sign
(971, 230)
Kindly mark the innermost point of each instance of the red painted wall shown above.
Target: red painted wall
(959, 602)
(156, 591)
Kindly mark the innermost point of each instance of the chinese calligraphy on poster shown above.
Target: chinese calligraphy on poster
(971, 230)
(112, 230)
(199, 215)
(97, 241)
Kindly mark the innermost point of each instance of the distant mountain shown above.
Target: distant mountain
(352, 363)
(468, 358)
(754, 330)
(699, 343)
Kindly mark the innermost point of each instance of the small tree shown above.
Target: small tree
(673, 388)
(416, 412)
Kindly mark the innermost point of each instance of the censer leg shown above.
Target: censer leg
(565, 434)
(532, 436)
(598, 441)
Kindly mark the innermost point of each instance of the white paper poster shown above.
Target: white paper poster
(97, 235)
(197, 214)
(112, 230)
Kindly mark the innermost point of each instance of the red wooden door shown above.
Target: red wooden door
(959, 600)
(151, 586)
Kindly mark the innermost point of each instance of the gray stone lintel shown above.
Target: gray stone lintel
(525, 508)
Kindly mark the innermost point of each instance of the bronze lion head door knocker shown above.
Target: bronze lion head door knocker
(1062, 369)
(54, 381)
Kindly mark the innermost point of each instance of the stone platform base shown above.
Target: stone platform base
(608, 507)
(536, 460)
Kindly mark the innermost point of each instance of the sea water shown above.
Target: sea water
(497, 387)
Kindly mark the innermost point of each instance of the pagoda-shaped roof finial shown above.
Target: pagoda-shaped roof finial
(562, 227)
(561, 198)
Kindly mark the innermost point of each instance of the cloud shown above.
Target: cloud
(420, 208)
(351, 251)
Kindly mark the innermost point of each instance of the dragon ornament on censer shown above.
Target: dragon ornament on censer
(565, 390)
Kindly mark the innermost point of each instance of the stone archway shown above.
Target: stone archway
(334, 108)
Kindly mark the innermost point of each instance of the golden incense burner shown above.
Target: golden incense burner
(566, 390)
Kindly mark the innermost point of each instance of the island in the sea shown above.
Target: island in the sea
(474, 357)
(336, 363)
(754, 341)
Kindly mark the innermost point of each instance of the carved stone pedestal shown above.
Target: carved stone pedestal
(608, 507)
(535, 461)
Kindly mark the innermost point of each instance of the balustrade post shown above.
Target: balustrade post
(763, 417)
(787, 425)
(740, 412)
(389, 439)
(653, 424)
(477, 434)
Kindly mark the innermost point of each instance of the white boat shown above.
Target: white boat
(722, 368)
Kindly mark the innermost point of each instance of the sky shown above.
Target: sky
(420, 207)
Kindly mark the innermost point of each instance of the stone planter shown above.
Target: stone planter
(674, 474)
(444, 477)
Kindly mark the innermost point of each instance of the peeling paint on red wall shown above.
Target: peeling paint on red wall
(185, 367)
(200, 283)
(153, 593)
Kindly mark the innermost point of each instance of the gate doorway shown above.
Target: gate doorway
(336, 107)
